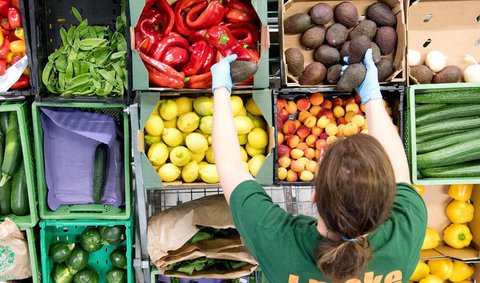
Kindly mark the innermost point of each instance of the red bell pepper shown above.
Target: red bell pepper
(4, 5)
(181, 8)
(173, 39)
(14, 18)
(23, 82)
(199, 81)
(3, 66)
(169, 18)
(245, 33)
(161, 74)
(175, 56)
(239, 12)
(5, 26)
(4, 49)
(201, 58)
(199, 17)
(198, 35)
(221, 38)
(15, 60)
(148, 29)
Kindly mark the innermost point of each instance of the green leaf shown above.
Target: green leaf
(77, 15)
(188, 269)
(200, 236)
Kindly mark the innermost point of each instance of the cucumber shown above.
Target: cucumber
(19, 193)
(87, 275)
(118, 258)
(13, 148)
(466, 97)
(454, 111)
(426, 108)
(116, 276)
(78, 260)
(112, 235)
(2, 146)
(453, 171)
(5, 198)
(453, 154)
(455, 123)
(435, 136)
(4, 117)
(90, 240)
(60, 251)
(61, 274)
(448, 140)
(99, 172)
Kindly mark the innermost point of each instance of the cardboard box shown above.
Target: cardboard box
(451, 28)
(140, 74)
(436, 199)
(303, 6)
(151, 180)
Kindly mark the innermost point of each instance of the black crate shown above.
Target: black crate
(46, 18)
(20, 94)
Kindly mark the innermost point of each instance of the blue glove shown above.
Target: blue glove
(369, 89)
(221, 73)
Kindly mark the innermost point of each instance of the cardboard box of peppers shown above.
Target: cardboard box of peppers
(180, 43)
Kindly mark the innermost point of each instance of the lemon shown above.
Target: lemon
(196, 143)
(149, 140)
(184, 105)
(208, 173)
(243, 125)
(170, 123)
(258, 138)
(252, 107)
(255, 163)
(169, 172)
(246, 165)
(168, 110)
(243, 112)
(253, 151)
(237, 104)
(198, 157)
(206, 124)
(244, 154)
(203, 105)
(158, 153)
(180, 156)
(190, 171)
(172, 137)
(258, 121)
(242, 139)
(154, 126)
(188, 122)
(209, 155)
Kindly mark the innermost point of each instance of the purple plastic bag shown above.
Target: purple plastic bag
(70, 138)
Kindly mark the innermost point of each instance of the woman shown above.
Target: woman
(371, 222)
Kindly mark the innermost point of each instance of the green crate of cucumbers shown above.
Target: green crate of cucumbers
(444, 133)
(86, 251)
(17, 184)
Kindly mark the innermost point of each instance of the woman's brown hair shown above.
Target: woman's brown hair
(355, 190)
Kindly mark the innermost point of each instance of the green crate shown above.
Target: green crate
(259, 278)
(53, 231)
(261, 78)
(32, 249)
(82, 211)
(411, 142)
(148, 101)
(24, 123)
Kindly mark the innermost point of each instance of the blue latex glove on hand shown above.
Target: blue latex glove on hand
(221, 73)
(370, 88)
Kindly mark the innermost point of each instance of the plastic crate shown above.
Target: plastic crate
(157, 277)
(24, 124)
(411, 141)
(46, 18)
(52, 231)
(83, 211)
(148, 101)
(32, 241)
(26, 28)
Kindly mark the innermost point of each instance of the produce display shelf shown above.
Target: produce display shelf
(157, 278)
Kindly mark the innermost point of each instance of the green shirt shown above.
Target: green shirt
(285, 245)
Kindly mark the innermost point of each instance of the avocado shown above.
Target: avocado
(313, 37)
(295, 61)
(358, 47)
(297, 23)
(449, 74)
(346, 13)
(336, 35)
(377, 56)
(313, 74)
(321, 14)
(385, 69)
(352, 77)
(242, 70)
(381, 14)
(386, 39)
(327, 55)
(421, 74)
(334, 74)
(344, 50)
(366, 27)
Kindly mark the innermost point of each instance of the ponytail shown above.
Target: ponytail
(339, 260)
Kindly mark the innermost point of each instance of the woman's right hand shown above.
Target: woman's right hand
(370, 88)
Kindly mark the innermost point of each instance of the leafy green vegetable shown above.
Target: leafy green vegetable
(91, 60)
(203, 263)
(206, 233)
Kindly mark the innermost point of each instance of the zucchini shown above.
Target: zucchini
(4, 117)
(13, 148)
(99, 172)
(112, 235)
(453, 111)
(425, 138)
(60, 251)
(427, 108)
(90, 240)
(453, 171)
(19, 193)
(116, 276)
(2, 146)
(448, 140)
(87, 275)
(453, 154)
(78, 260)
(61, 274)
(455, 123)
(5, 198)
(466, 97)
(118, 258)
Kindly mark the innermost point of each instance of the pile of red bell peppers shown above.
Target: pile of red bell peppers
(12, 40)
(180, 43)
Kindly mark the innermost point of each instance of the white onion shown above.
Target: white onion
(472, 72)
(413, 57)
(436, 61)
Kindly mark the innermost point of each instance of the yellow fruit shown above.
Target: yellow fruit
(208, 173)
(188, 122)
(243, 125)
(242, 139)
(198, 157)
(331, 139)
(172, 137)
(170, 123)
(258, 138)
(206, 124)
(154, 126)
(358, 120)
(196, 143)
(420, 189)
(460, 192)
(168, 110)
(180, 156)
(282, 173)
(203, 105)
(258, 121)
(306, 176)
(209, 155)
(252, 107)
(149, 140)
(157, 153)
(441, 268)
(420, 272)
(331, 129)
(431, 239)
(255, 163)
(190, 172)
(237, 104)
(461, 271)
(350, 129)
(184, 105)
(244, 154)
(169, 172)
(243, 112)
(431, 279)
(246, 165)
(253, 151)
(459, 211)
(209, 139)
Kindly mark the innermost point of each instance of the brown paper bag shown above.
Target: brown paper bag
(14, 255)
(169, 232)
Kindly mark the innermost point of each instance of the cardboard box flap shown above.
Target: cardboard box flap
(475, 229)
(436, 199)
(430, 254)
(459, 254)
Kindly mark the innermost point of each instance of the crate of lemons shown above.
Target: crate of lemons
(442, 270)
(179, 138)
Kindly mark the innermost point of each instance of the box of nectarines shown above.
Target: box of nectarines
(443, 42)
(307, 123)
(316, 36)
(174, 137)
